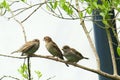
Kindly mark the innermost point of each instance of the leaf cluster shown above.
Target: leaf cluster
(66, 6)
(23, 70)
(4, 4)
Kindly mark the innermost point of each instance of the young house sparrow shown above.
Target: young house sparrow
(53, 48)
(72, 55)
(29, 47)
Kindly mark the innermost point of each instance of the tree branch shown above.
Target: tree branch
(9, 77)
(18, 57)
(29, 66)
(20, 10)
(24, 33)
(31, 13)
(114, 77)
(112, 51)
(88, 36)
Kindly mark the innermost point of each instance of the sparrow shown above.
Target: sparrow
(71, 54)
(29, 48)
(53, 48)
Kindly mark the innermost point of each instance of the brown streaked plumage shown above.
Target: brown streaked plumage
(72, 55)
(53, 48)
(29, 47)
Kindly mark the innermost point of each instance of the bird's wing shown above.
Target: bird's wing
(76, 52)
(27, 46)
(56, 47)
(57, 50)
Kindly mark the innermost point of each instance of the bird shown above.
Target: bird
(29, 48)
(52, 48)
(72, 55)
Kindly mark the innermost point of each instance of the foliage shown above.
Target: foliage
(68, 6)
(23, 70)
(104, 7)
(4, 5)
(118, 50)
(62, 4)
(39, 74)
(23, 0)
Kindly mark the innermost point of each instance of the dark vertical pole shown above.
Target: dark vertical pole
(101, 43)
(102, 46)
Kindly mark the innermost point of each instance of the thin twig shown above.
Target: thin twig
(60, 16)
(21, 25)
(23, 57)
(9, 77)
(113, 24)
(51, 77)
(29, 70)
(112, 51)
(60, 13)
(20, 10)
(31, 13)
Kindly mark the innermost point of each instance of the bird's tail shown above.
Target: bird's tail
(66, 64)
(14, 52)
(63, 59)
(23, 54)
(85, 58)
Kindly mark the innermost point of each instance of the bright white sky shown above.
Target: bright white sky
(63, 32)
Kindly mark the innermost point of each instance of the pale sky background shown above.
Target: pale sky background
(63, 32)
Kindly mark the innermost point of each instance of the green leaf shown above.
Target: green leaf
(89, 10)
(102, 14)
(100, 7)
(23, 0)
(70, 12)
(105, 22)
(118, 50)
(23, 71)
(95, 4)
(5, 5)
(25, 76)
(24, 67)
(20, 71)
(51, 4)
(39, 74)
(66, 7)
(81, 0)
(62, 3)
(81, 15)
(118, 9)
(55, 5)
(47, 7)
